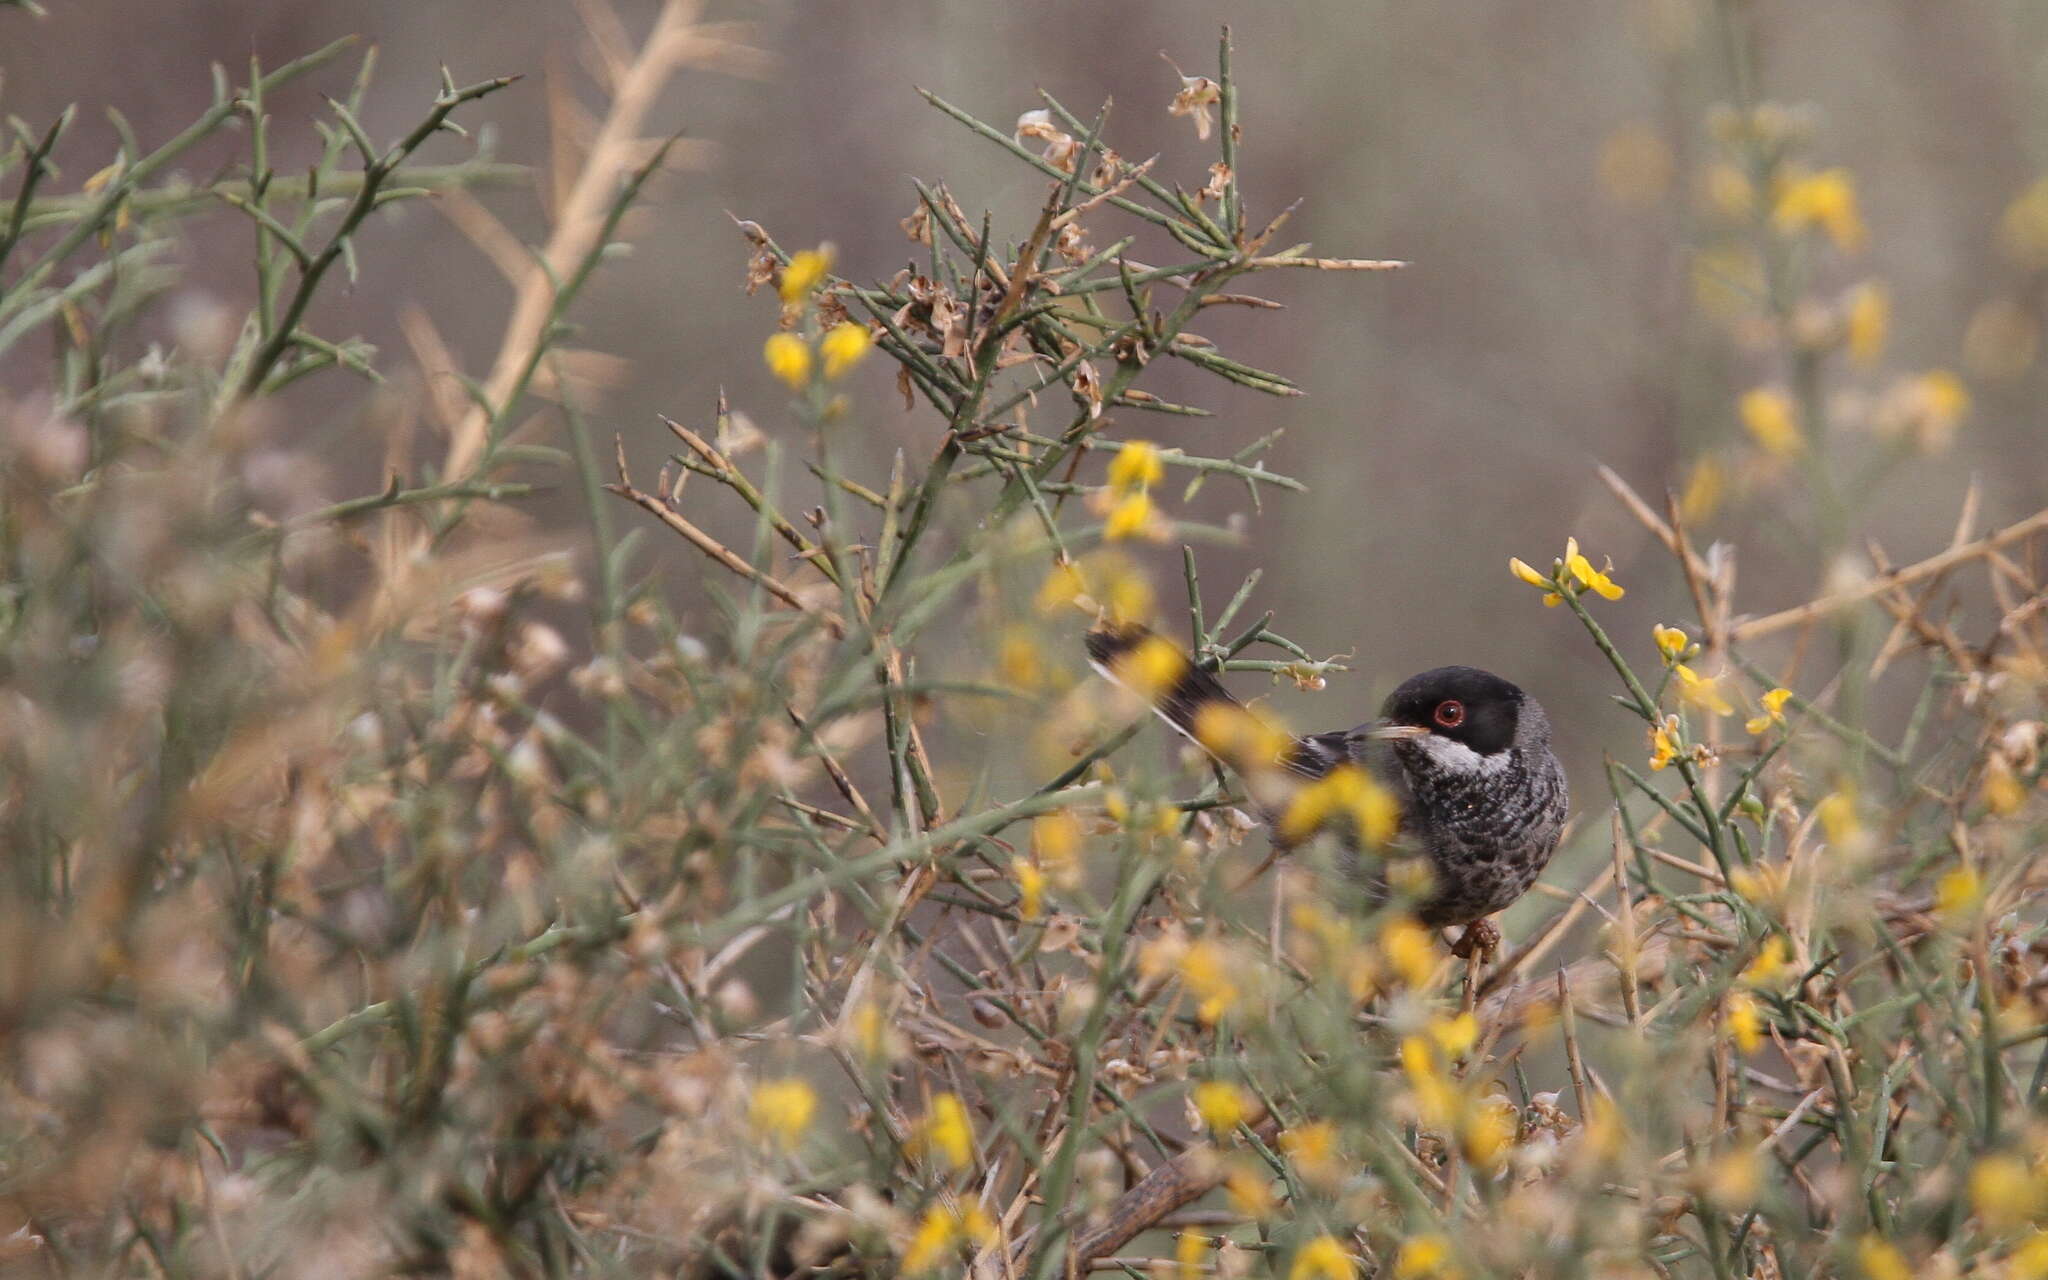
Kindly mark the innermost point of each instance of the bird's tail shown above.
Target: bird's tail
(1196, 705)
(1153, 667)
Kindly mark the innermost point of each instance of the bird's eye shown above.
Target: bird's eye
(1450, 713)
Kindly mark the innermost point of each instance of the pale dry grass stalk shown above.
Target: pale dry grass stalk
(678, 41)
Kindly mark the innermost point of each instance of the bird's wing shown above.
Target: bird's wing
(1317, 754)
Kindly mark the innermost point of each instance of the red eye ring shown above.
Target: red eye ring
(1450, 713)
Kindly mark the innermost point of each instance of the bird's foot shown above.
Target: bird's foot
(1480, 938)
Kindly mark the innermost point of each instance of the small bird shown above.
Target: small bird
(1465, 754)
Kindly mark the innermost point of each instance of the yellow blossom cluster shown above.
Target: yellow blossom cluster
(793, 357)
(1221, 1107)
(943, 1232)
(1743, 1020)
(1572, 572)
(1425, 1257)
(1312, 1148)
(1030, 888)
(1824, 200)
(1326, 942)
(1772, 421)
(1129, 511)
(1246, 740)
(1482, 1125)
(1706, 694)
(1773, 701)
(781, 1110)
(1208, 970)
(2009, 1196)
(1666, 742)
(1105, 583)
(946, 1131)
(1322, 1258)
(1346, 794)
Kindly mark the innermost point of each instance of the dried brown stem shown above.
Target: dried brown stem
(724, 555)
(1756, 628)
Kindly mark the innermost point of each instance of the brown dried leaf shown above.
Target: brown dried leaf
(1197, 94)
(918, 226)
(1219, 180)
(1088, 385)
(1061, 149)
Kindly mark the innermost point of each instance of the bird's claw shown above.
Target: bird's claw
(1480, 938)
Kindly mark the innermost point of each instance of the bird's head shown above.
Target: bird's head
(1460, 719)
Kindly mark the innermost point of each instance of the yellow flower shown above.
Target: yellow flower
(1527, 573)
(1455, 1036)
(1222, 1107)
(1124, 591)
(868, 1028)
(1313, 1149)
(1030, 888)
(1774, 711)
(2030, 1260)
(1249, 1192)
(2002, 793)
(1137, 466)
(2004, 1193)
(1772, 960)
(1582, 569)
(1938, 402)
(948, 1131)
(1701, 691)
(1063, 586)
(1958, 892)
(1487, 1132)
(1826, 200)
(1838, 819)
(782, 1110)
(1346, 792)
(1322, 1259)
(843, 346)
(1153, 667)
(1188, 1250)
(1424, 1258)
(805, 272)
(1745, 1024)
(1671, 642)
(789, 358)
(1764, 884)
(941, 1231)
(1605, 1132)
(1730, 1179)
(1408, 951)
(1705, 485)
(1767, 414)
(1664, 743)
(1019, 658)
(1205, 969)
(1056, 838)
(1881, 1259)
(1870, 315)
(1240, 737)
(1134, 516)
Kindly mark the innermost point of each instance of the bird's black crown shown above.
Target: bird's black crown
(1463, 704)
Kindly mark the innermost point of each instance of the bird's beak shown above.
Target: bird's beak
(1396, 732)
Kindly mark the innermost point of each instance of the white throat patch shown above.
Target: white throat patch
(1455, 757)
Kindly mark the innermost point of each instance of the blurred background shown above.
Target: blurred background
(1551, 172)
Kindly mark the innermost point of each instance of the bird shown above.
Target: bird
(1464, 753)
